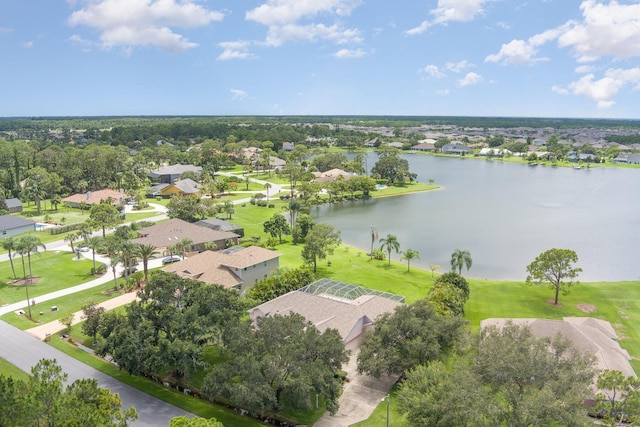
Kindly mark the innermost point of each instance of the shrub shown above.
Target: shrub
(64, 228)
(378, 254)
(100, 269)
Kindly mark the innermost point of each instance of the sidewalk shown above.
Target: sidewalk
(51, 328)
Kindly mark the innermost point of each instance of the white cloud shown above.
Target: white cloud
(458, 67)
(607, 30)
(235, 50)
(584, 69)
(604, 89)
(132, 23)
(560, 90)
(451, 11)
(442, 92)
(433, 71)
(27, 45)
(349, 53)
(282, 19)
(238, 94)
(470, 79)
(515, 52)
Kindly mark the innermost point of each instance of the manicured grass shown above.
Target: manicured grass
(9, 370)
(379, 416)
(66, 305)
(199, 407)
(56, 270)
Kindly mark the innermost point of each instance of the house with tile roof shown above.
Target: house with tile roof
(331, 175)
(168, 233)
(96, 197)
(181, 187)
(234, 268)
(329, 304)
(13, 226)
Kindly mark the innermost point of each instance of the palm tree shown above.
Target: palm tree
(30, 244)
(460, 258)
(409, 254)
(183, 245)
(267, 186)
(113, 263)
(95, 244)
(9, 245)
(72, 237)
(145, 252)
(374, 237)
(126, 253)
(390, 243)
(294, 207)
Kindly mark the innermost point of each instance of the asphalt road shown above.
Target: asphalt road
(24, 351)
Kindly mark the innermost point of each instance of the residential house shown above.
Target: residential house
(329, 304)
(573, 156)
(424, 146)
(96, 197)
(12, 225)
(234, 268)
(169, 174)
(169, 233)
(181, 187)
(457, 149)
(396, 144)
(14, 205)
(589, 335)
(288, 146)
(494, 152)
(632, 159)
(331, 175)
(220, 225)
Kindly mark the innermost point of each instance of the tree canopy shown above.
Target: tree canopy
(555, 267)
(320, 242)
(412, 335)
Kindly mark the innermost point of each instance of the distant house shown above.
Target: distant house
(332, 175)
(14, 205)
(182, 187)
(169, 233)
(234, 268)
(96, 197)
(372, 143)
(494, 152)
(276, 163)
(590, 336)
(573, 156)
(329, 304)
(288, 146)
(632, 159)
(220, 225)
(396, 144)
(168, 174)
(424, 146)
(457, 149)
(12, 225)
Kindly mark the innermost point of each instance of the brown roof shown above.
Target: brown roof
(170, 232)
(213, 267)
(327, 312)
(95, 197)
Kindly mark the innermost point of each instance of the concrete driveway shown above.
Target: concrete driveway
(361, 395)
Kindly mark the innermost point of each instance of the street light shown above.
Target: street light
(388, 399)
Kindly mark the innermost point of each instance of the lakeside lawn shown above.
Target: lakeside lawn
(57, 270)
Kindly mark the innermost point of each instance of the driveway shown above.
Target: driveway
(361, 395)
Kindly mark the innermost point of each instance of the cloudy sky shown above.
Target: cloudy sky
(540, 58)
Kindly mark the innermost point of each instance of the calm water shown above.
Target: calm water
(506, 214)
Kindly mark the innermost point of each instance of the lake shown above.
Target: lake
(505, 214)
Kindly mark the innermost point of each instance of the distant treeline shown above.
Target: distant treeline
(109, 122)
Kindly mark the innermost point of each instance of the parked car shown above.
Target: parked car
(82, 249)
(170, 259)
(129, 271)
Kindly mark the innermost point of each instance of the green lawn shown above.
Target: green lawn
(66, 305)
(9, 370)
(57, 271)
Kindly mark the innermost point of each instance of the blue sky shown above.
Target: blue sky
(540, 58)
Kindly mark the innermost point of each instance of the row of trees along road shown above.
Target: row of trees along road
(284, 364)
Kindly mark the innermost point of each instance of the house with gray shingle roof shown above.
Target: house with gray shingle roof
(12, 225)
(234, 268)
(14, 205)
(220, 225)
(588, 335)
(169, 174)
(351, 311)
